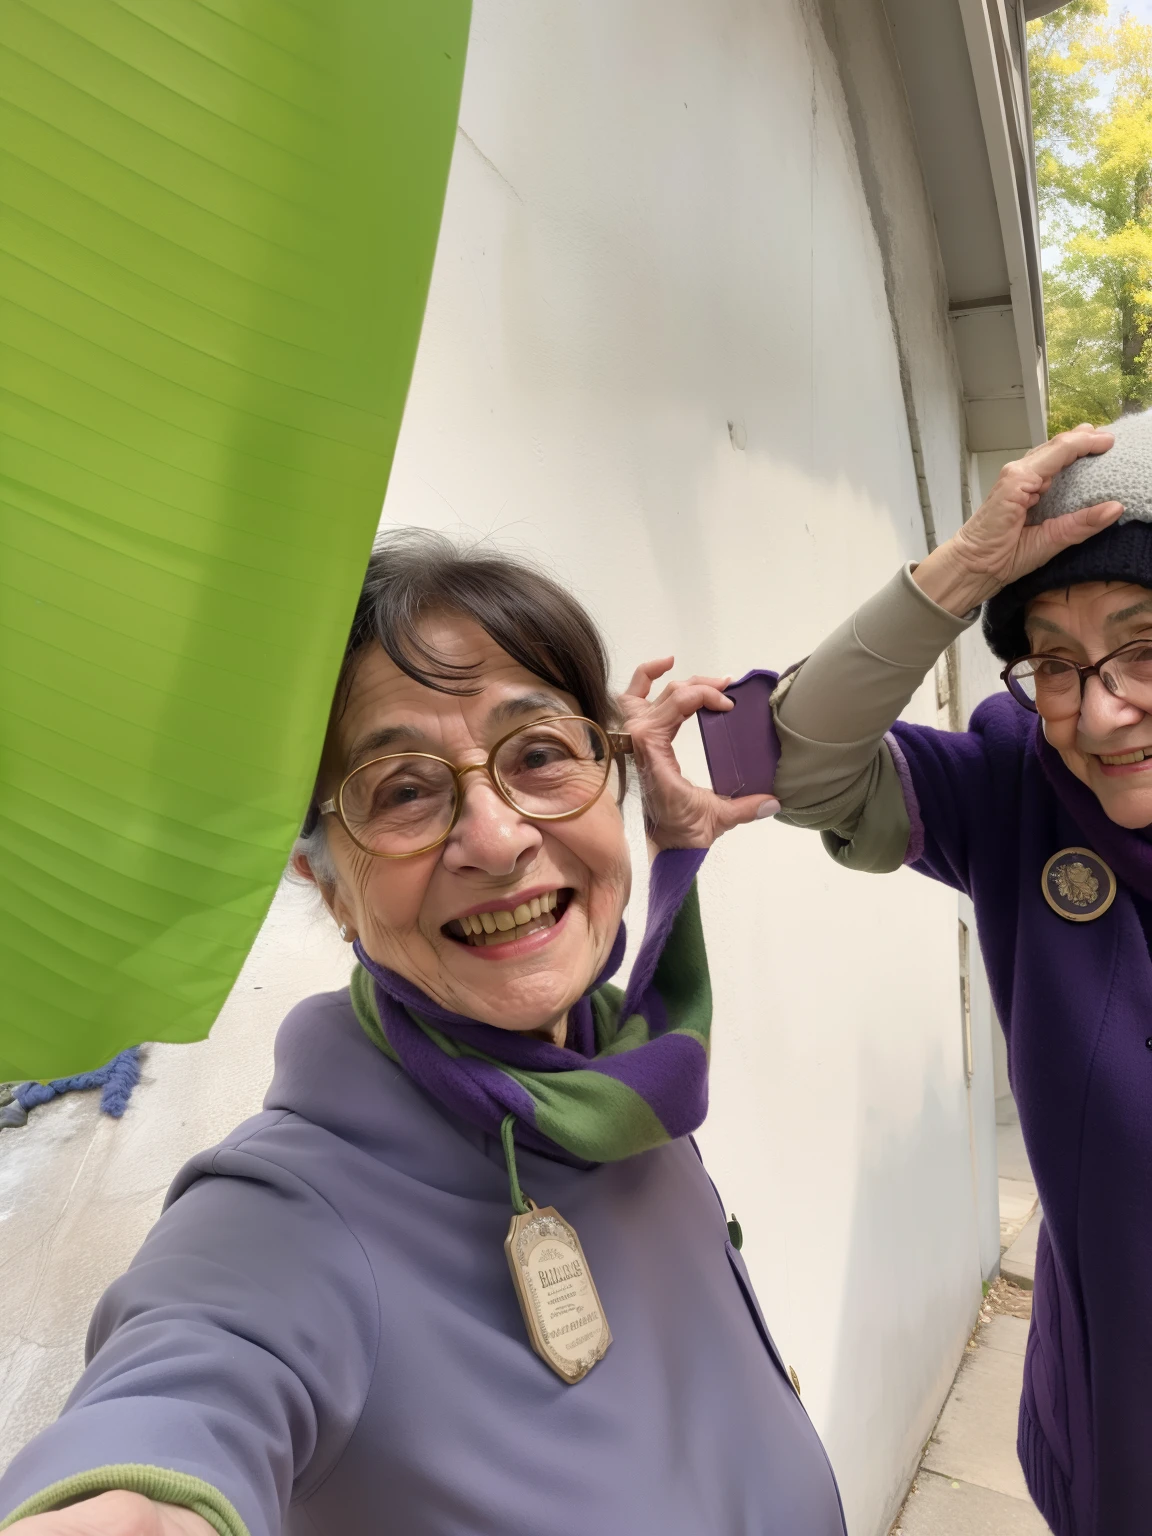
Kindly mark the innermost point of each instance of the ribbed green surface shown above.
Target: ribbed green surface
(217, 224)
(158, 1483)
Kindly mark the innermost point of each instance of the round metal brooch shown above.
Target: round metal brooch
(1078, 885)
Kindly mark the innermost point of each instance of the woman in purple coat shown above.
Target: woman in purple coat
(1041, 812)
(466, 1274)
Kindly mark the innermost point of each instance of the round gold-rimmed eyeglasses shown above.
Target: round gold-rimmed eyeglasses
(405, 803)
(1053, 686)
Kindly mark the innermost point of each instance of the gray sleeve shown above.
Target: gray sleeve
(835, 773)
(234, 1355)
(863, 828)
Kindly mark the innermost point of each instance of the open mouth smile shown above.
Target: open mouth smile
(495, 926)
(1138, 760)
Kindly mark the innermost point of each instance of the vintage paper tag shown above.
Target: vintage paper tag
(562, 1312)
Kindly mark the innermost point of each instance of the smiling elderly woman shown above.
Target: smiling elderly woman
(369, 1310)
(1042, 812)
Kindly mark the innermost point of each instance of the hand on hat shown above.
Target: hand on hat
(678, 813)
(996, 545)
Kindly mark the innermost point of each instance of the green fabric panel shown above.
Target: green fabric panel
(218, 235)
(157, 1483)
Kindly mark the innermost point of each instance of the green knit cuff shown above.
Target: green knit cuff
(153, 1482)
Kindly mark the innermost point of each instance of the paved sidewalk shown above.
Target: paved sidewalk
(970, 1482)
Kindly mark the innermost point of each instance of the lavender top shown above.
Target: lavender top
(322, 1326)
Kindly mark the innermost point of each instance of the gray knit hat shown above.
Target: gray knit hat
(1122, 552)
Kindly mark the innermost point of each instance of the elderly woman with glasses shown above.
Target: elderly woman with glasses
(466, 1274)
(1041, 811)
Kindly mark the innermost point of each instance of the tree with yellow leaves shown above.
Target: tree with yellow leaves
(1092, 119)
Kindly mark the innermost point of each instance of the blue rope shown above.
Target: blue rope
(117, 1081)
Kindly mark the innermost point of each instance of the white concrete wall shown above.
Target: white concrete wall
(656, 226)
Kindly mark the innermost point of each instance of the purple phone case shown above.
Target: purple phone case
(741, 745)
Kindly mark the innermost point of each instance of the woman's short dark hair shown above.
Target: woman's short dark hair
(414, 572)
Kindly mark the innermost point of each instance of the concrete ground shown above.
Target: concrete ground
(78, 1191)
(970, 1482)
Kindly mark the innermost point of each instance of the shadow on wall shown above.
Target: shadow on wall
(839, 1134)
(906, 1383)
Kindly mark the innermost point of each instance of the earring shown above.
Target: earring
(344, 932)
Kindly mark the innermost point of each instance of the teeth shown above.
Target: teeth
(499, 927)
(505, 936)
(1117, 758)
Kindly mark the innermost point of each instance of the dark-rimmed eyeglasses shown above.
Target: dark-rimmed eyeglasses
(1053, 686)
(405, 803)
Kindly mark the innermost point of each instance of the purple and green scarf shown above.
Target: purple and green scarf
(634, 1073)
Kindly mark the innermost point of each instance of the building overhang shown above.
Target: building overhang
(965, 71)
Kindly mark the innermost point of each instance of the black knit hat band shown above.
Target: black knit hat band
(1120, 553)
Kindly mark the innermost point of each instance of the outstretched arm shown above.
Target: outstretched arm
(116, 1514)
(833, 712)
(230, 1360)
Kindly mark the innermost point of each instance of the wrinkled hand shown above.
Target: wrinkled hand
(677, 813)
(116, 1514)
(995, 546)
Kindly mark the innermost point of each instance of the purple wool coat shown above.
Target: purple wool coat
(322, 1326)
(988, 808)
